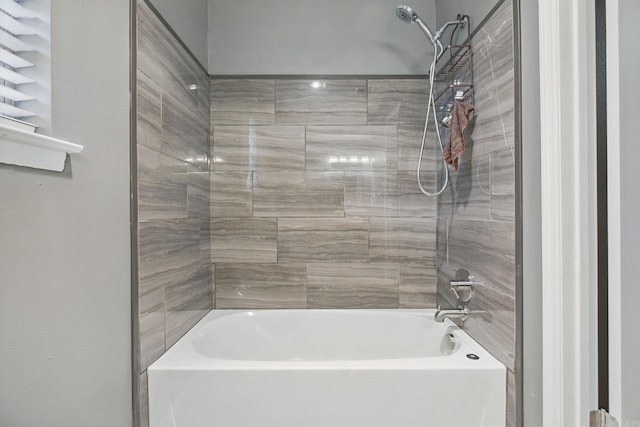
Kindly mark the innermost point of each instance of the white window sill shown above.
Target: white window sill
(22, 148)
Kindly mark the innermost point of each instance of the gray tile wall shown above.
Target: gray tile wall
(310, 199)
(175, 278)
(314, 202)
(476, 214)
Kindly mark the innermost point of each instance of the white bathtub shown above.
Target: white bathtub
(326, 368)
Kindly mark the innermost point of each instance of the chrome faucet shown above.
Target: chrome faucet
(463, 288)
(461, 314)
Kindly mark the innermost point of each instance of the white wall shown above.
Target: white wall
(64, 246)
(629, 13)
(321, 37)
(188, 18)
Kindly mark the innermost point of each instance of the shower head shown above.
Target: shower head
(407, 15)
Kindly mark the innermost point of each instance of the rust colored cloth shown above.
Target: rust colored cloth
(459, 122)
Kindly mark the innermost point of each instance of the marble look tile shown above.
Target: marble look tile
(185, 136)
(152, 335)
(179, 323)
(205, 240)
(191, 293)
(487, 250)
(493, 47)
(231, 195)
(298, 194)
(442, 240)
(162, 186)
(204, 98)
(409, 142)
(144, 400)
(494, 126)
(397, 101)
(242, 102)
(166, 250)
(402, 239)
(182, 74)
(198, 193)
(394, 194)
(326, 239)
(511, 400)
(149, 112)
(261, 286)
(247, 240)
(469, 191)
(151, 300)
(352, 285)
(251, 148)
(351, 148)
(150, 43)
(417, 285)
(162, 57)
(333, 102)
(503, 173)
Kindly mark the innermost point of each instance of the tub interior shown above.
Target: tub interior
(321, 335)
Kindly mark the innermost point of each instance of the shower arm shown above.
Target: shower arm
(436, 38)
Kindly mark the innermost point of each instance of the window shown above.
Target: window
(24, 61)
(25, 88)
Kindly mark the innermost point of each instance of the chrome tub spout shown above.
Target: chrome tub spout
(461, 314)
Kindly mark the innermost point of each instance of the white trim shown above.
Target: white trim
(23, 148)
(567, 84)
(551, 208)
(613, 208)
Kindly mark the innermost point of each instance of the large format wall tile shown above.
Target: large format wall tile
(251, 148)
(330, 239)
(392, 194)
(359, 148)
(185, 135)
(494, 126)
(402, 239)
(469, 192)
(166, 250)
(242, 102)
(149, 113)
(261, 286)
(246, 240)
(409, 144)
(321, 102)
(162, 186)
(231, 195)
(152, 337)
(417, 285)
(198, 193)
(503, 184)
(188, 301)
(493, 47)
(162, 58)
(397, 101)
(346, 285)
(298, 194)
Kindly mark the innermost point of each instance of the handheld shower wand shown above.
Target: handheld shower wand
(407, 15)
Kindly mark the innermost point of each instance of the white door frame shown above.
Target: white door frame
(613, 209)
(568, 155)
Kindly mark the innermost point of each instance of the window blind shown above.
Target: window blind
(15, 29)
